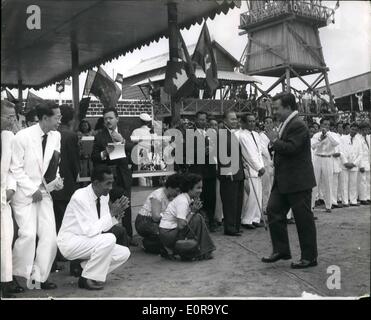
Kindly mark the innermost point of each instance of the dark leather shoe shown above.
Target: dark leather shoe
(275, 257)
(75, 268)
(302, 264)
(364, 203)
(16, 287)
(248, 226)
(7, 290)
(48, 285)
(89, 284)
(258, 225)
(354, 205)
(346, 205)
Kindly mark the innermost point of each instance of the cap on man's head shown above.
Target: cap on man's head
(145, 117)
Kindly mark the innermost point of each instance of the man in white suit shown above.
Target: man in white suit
(351, 158)
(323, 147)
(251, 148)
(337, 168)
(85, 231)
(364, 169)
(8, 187)
(35, 154)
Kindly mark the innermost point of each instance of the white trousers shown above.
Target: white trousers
(336, 187)
(349, 181)
(364, 185)
(323, 171)
(35, 219)
(101, 254)
(7, 232)
(218, 205)
(250, 208)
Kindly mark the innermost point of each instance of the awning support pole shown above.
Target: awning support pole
(75, 81)
(172, 15)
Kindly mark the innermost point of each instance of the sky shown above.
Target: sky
(346, 46)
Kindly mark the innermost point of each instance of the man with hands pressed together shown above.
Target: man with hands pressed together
(292, 185)
(87, 230)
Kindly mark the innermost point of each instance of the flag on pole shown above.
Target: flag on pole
(105, 89)
(119, 78)
(10, 97)
(88, 82)
(180, 79)
(32, 101)
(205, 58)
(83, 107)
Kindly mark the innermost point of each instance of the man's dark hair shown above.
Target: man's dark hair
(287, 100)
(99, 172)
(245, 116)
(110, 109)
(324, 119)
(30, 116)
(174, 181)
(345, 124)
(364, 125)
(116, 193)
(201, 113)
(189, 181)
(67, 113)
(82, 122)
(46, 109)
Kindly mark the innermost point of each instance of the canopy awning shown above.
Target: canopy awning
(101, 31)
(222, 75)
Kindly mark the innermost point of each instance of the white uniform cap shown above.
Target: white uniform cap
(145, 117)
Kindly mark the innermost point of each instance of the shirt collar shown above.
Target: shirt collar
(41, 132)
(187, 197)
(90, 188)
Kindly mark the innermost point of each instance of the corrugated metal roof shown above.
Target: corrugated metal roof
(100, 30)
(350, 86)
(222, 75)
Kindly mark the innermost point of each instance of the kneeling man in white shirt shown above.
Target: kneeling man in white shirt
(83, 232)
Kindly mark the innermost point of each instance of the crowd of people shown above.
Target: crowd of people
(91, 227)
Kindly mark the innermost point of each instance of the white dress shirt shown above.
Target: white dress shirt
(351, 151)
(251, 148)
(325, 147)
(81, 216)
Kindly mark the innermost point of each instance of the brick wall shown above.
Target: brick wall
(125, 108)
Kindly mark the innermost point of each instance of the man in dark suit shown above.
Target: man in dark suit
(120, 167)
(292, 185)
(69, 168)
(230, 174)
(206, 169)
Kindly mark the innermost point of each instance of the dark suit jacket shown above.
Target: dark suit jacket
(69, 166)
(101, 140)
(239, 175)
(293, 168)
(207, 170)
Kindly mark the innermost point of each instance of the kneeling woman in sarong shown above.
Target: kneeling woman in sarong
(149, 216)
(181, 221)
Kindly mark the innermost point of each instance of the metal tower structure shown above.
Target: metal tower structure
(284, 42)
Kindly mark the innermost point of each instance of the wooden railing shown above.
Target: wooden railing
(260, 11)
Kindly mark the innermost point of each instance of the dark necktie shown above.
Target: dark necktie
(254, 139)
(368, 147)
(98, 207)
(45, 138)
